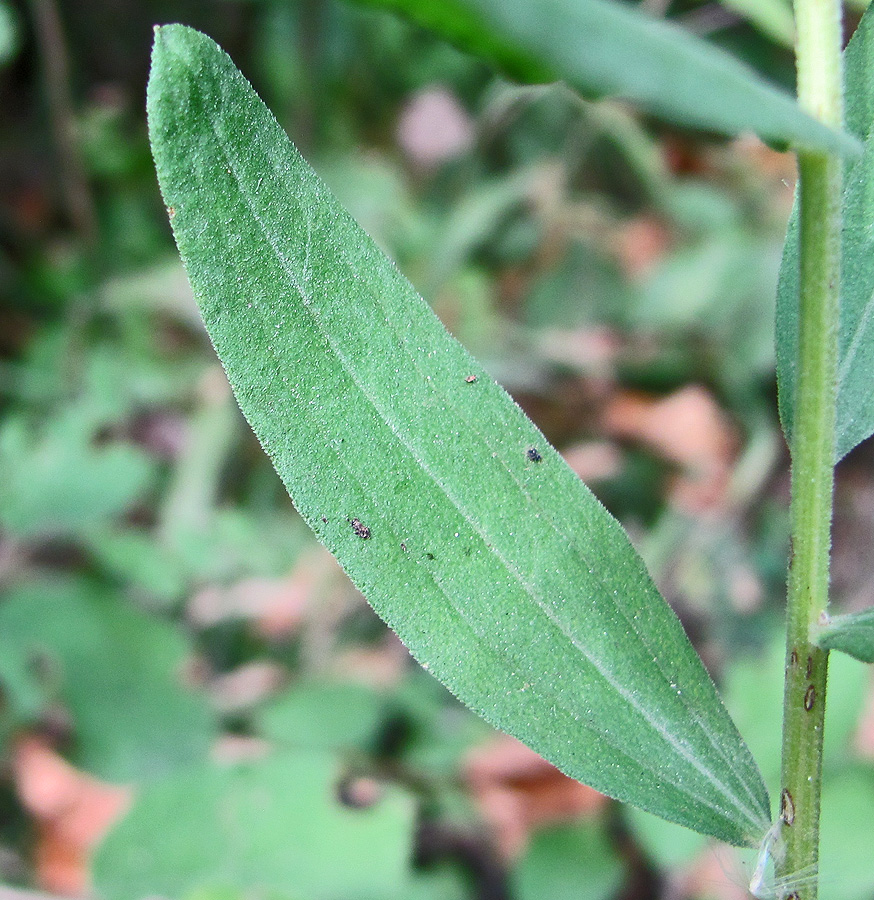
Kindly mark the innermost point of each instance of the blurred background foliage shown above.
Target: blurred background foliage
(194, 702)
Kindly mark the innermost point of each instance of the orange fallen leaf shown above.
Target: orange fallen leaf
(276, 606)
(71, 810)
(594, 460)
(640, 244)
(517, 791)
(688, 428)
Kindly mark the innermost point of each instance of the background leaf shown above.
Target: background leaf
(606, 49)
(855, 401)
(10, 37)
(274, 827)
(323, 716)
(573, 862)
(442, 501)
(107, 663)
(56, 480)
(771, 17)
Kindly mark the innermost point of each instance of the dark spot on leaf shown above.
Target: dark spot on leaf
(171, 211)
(787, 807)
(533, 454)
(467, 551)
(809, 666)
(403, 547)
(430, 556)
(470, 379)
(809, 697)
(324, 520)
(793, 657)
(360, 528)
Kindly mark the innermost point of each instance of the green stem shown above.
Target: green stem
(813, 451)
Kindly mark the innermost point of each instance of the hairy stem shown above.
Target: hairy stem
(820, 93)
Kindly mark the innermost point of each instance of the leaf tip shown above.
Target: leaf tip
(175, 39)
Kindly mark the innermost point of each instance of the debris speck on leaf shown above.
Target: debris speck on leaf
(360, 528)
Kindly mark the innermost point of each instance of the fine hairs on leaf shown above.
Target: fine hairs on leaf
(497, 567)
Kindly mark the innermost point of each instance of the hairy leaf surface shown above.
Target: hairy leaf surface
(445, 505)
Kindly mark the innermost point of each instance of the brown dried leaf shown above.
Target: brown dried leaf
(687, 428)
(594, 460)
(518, 791)
(379, 667)
(716, 874)
(72, 811)
(276, 605)
(640, 244)
(246, 685)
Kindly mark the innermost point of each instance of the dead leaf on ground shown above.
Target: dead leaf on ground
(517, 791)
(594, 460)
(234, 748)
(641, 243)
(381, 667)
(72, 811)
(688, 428)
(247, 685)
(277, 606)
(590, 351)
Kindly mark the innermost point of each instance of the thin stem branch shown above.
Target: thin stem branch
(55, 65)
(820, 91)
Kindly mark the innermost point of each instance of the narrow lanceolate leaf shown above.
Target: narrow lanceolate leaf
(772, 17)
(445, 505)
(855, 397)
(604, 48)
(852, 634)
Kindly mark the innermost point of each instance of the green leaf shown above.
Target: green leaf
(273, 827)
(852, 634)
(445, 505)
(319, 716)
(855, 399)
(10, 33)
(772, 17)
(569, 862)
(109, 663)
(607, 49)
(56, 481)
